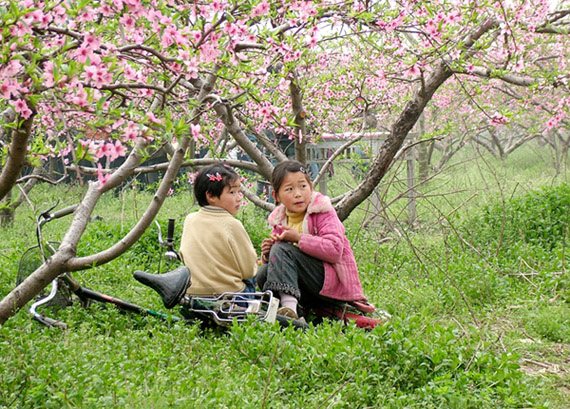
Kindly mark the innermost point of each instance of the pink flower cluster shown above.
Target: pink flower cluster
(497, 119)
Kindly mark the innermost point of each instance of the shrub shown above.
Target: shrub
(539, 218)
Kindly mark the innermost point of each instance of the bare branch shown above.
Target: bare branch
(141, 170)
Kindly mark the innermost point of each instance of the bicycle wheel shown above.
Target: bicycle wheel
(30, 261)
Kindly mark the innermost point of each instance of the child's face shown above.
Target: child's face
(230, 199)
(295, 192)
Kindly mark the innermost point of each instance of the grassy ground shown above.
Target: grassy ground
(478, 289)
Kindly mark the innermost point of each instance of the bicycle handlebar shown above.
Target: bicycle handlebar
(63, 212)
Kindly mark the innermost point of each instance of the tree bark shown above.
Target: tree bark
(299, 115)
(8, 212)
(17, 155)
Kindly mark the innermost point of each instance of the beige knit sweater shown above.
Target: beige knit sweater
(218, 251)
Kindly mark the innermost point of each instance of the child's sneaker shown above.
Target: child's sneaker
(287, 312)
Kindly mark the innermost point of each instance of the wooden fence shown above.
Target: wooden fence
(329, 143)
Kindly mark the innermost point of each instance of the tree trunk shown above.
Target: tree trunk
(422, 149)
(16, 156)
(6, 211)
(59, 262)
(300, 114)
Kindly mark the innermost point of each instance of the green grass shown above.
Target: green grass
(478, 289)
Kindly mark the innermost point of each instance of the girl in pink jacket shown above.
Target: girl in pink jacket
(307, 253)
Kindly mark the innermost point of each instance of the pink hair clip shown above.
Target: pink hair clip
(215, 178)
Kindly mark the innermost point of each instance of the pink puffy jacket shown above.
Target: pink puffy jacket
(323, 237)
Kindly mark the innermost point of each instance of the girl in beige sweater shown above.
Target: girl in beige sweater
(214, 245)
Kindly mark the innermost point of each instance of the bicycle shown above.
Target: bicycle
(65, 286)
(222, 310)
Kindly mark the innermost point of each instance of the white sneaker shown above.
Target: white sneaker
(288, 312)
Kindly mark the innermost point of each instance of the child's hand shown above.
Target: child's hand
(288, 233)
(266, 247)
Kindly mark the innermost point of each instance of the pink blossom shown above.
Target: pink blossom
(209, 53)
(97, 75)
(196, 35)
(48, 74)
(8, 88)
(59, 14)
(120, 149)
(166, 40)
(36, 16)
(413, 71)
(106, 10)
(88, 15)
(20, 29)
(128, 21)
(21, 107)
(93, 41)
(174, 66)
(218, 6)
(113, 154)
(103, 150)
(519, 66)
(152, 118)
(498, 119)
(195, 130)
(454, 17)
(83, 53)
(101, 177)
(131, 132)
(261, 10)
(232, 30)
(312, 41)
(11, 69)
(265, 112)
(130, 73)
(191, 69)
(80, 97)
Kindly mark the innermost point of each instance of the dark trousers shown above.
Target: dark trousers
(292, 272)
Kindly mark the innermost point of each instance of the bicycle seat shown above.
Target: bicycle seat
(170, 286)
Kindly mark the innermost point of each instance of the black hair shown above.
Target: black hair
(281, 170)
(212, 179)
